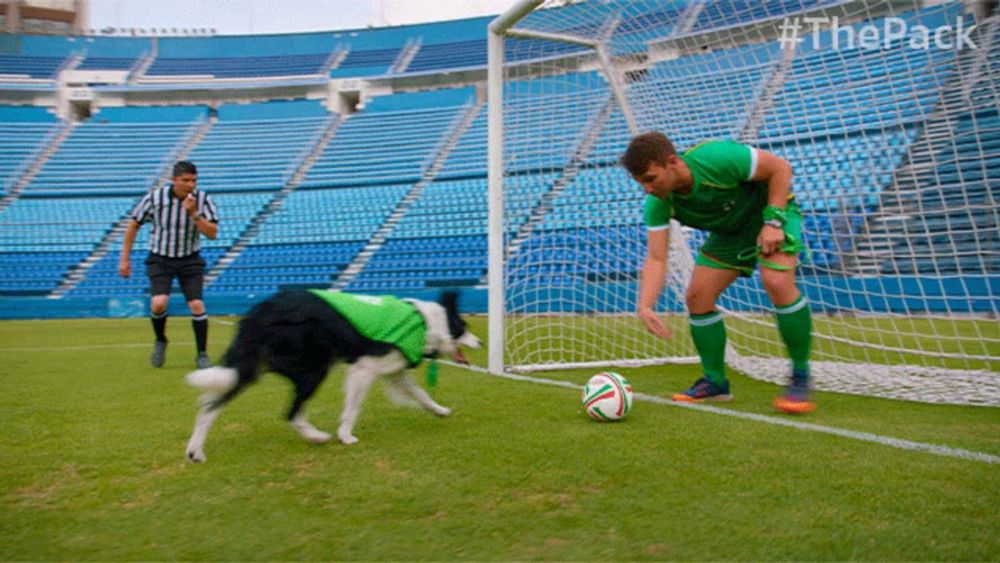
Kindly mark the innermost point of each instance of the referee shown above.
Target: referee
(179, 213)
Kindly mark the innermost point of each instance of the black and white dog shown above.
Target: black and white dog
(300, 335)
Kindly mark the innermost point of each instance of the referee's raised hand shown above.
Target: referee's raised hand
(190, 204)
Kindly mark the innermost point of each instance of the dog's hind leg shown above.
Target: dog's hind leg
(297, 412)
(360, 377)
(206, 416)
(211, 406)
(307, 430)
(404, 383)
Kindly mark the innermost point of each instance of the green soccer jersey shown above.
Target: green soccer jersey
(383, 319)
(723, 199)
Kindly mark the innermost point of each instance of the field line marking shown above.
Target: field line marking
(104, 346)
(84, 347)
(898, 443)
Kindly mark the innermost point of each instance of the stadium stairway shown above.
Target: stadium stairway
(566, 176)
(142, 64)
(70, 63)
(915, 221)
(62, 133)
(688, 18)
(462, 124)
(406, 55)
(250, 232)
(77, 273)
(765, 102)
(333, 61)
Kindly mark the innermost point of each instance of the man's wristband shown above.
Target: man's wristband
(775, 216)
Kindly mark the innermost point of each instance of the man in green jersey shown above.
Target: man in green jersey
(742, 197)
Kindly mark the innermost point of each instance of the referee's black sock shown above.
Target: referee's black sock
(200, 326)
(159, 325)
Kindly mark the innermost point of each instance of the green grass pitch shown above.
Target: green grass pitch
(92, 448)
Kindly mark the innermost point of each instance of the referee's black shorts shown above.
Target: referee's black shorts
(189, 271)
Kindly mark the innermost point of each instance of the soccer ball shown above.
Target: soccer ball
(607, 397)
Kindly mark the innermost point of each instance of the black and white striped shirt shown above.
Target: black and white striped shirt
(174, 232)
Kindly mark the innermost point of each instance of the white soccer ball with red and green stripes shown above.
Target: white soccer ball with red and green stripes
(607, 397)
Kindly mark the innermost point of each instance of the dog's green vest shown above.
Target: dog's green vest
(383, 319)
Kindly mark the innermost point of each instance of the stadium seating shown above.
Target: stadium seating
(530, 116)
(729, 13)
(106, 63)
(383, 147)
(318, 232)
(864, 89)
(853, 160)
(120, 151)
(24, 131)
(441, 241)
(41, 238)
(845, 157)
(442, 259)
(365, 63)
(257, 146)
(235, 213)
(30, 67)
(707, 105)
(567, 256)
(953, 180)
(240, 67)
(265, 268)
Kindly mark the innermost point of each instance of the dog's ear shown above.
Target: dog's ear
(449, 300)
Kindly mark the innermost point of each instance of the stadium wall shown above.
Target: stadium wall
(965, 295)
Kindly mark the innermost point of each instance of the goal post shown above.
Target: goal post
(893, 143)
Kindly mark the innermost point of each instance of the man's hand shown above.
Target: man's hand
(190, 205)
(125, 268)
(654, 324)
(770, 240)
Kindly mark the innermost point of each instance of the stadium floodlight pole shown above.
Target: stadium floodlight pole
(494, 94)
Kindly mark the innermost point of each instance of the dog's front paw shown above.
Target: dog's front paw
(442, 411)
(196, 456)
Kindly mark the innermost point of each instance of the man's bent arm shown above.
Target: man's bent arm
(777, 172)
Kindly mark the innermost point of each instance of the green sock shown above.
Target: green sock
(795, 326)
(709, 335)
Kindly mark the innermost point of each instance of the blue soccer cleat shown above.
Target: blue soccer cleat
(704, 390)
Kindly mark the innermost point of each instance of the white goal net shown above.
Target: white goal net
(889, 120)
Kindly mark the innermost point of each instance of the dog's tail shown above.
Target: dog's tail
(218, 378)
(239, 369)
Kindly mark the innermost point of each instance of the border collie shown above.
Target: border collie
(301, 334)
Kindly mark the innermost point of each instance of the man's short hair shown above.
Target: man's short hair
(646, 149)
(185, 167)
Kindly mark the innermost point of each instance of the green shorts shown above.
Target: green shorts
(734, 251)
